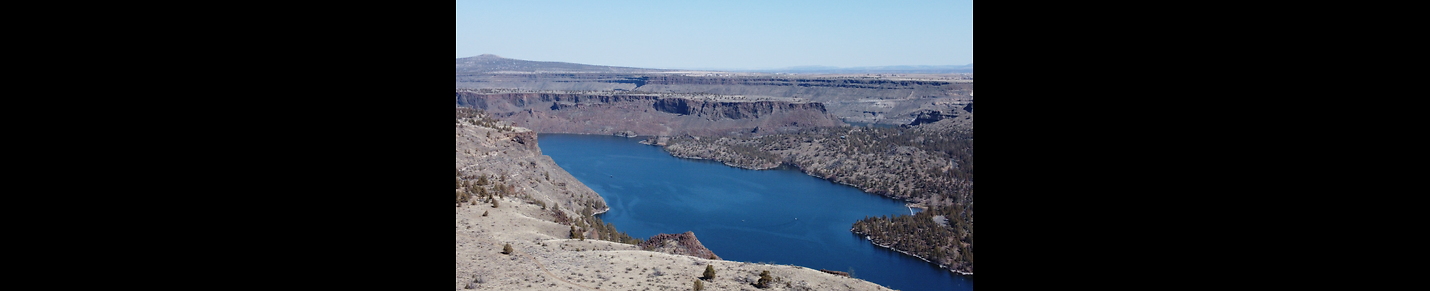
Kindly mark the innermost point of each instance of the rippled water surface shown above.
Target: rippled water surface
(776, 216)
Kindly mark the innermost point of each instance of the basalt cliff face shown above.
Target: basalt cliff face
(607, 112)
(861, 100)
(733, 110)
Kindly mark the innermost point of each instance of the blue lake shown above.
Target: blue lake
(773, 216)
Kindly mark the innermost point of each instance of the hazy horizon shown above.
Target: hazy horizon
(729, 35)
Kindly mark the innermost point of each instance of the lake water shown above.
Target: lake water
(774, 216)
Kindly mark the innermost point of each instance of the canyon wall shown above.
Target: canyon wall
(852, 99)
(647, 114)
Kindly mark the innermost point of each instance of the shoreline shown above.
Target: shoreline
(728, 163)
(871, 241)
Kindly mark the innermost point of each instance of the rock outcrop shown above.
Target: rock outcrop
(930, 116)
(926, 116)
(678, 244)
(526, 138)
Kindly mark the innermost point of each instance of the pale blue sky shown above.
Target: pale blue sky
(720, 34)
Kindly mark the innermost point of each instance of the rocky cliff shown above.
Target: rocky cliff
(732, 110)
(860, 98)
(612, 112)
(678, 244)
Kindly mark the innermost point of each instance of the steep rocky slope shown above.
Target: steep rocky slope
(515, 197)
(929, 164)
(509, 163)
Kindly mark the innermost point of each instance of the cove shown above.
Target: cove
(777, 216)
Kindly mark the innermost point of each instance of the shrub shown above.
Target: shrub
(699, 286)
(709, 272)
(506, 249)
